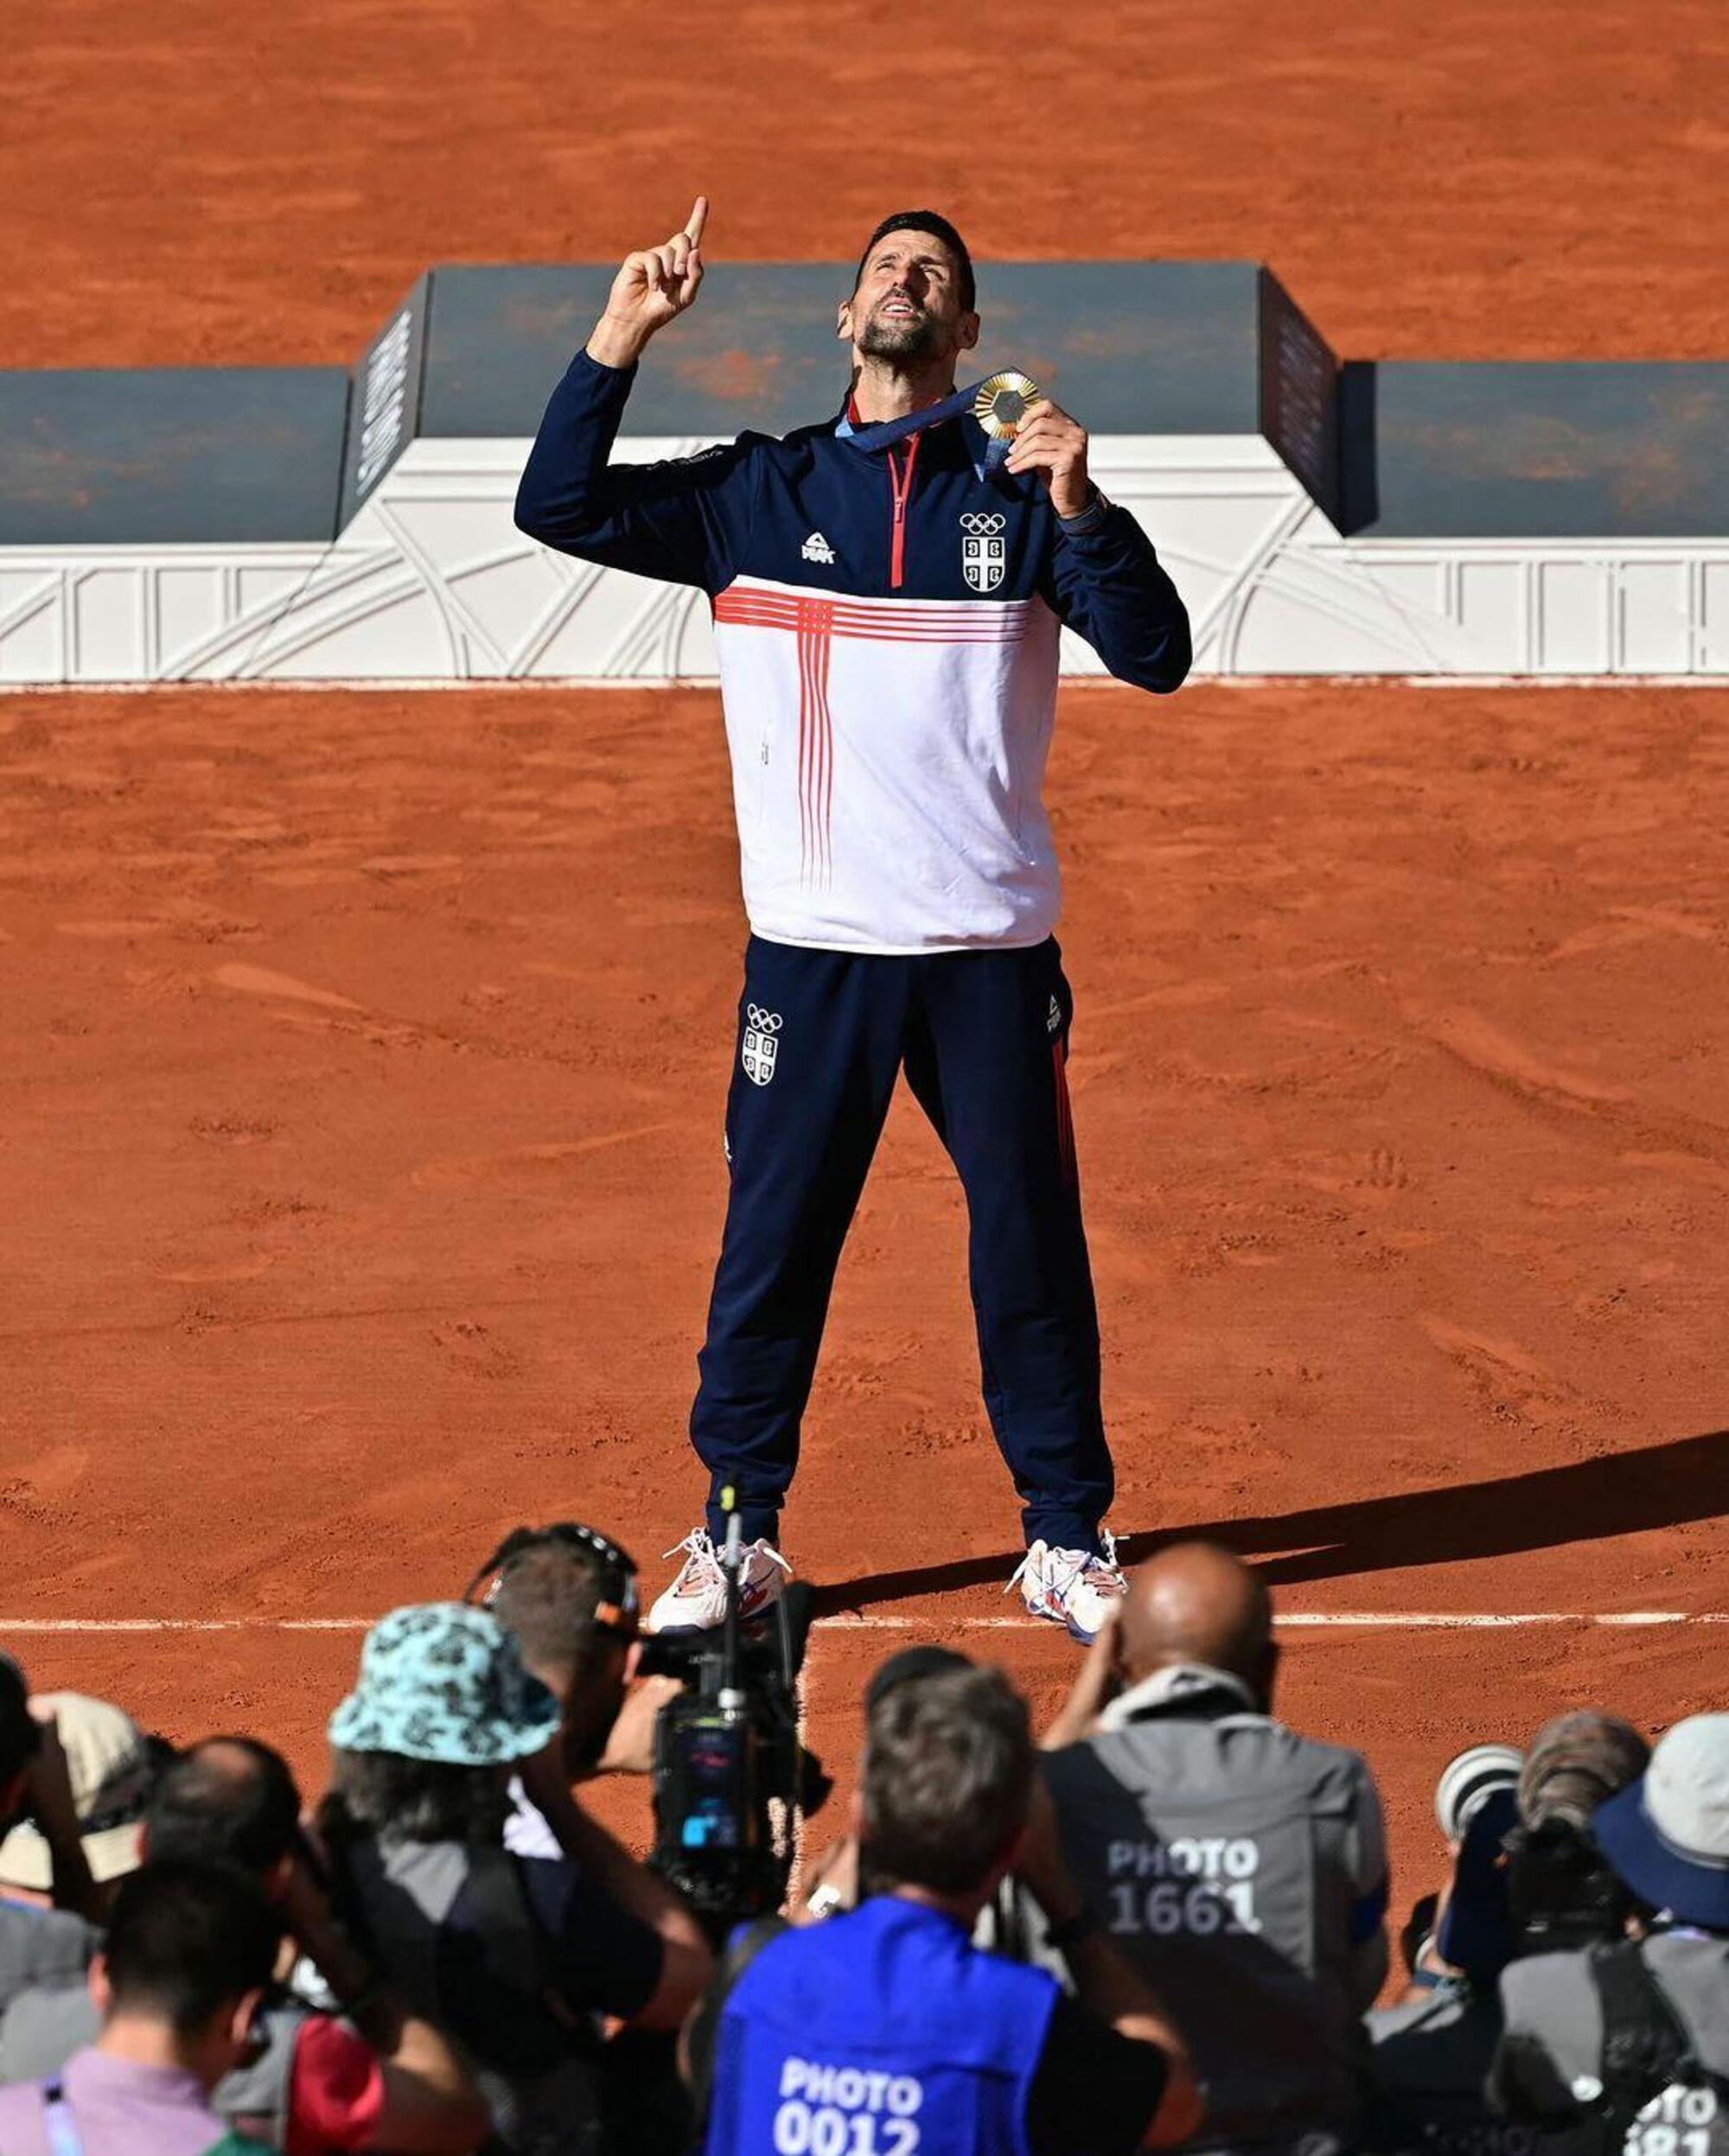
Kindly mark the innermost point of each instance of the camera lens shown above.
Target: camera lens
(1468, 1780)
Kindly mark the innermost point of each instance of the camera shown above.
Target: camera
(1565, 1893)
(732, 1783)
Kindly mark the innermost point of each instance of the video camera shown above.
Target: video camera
(732, 1782)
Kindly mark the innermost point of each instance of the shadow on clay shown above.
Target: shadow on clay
(1620, 1492)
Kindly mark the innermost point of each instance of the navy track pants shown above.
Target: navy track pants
(983, 1036)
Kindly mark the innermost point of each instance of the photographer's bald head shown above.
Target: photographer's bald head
(1196, 1603)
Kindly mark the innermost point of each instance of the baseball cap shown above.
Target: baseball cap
(1668, 1835)
(444, 1681)
(112, 1765)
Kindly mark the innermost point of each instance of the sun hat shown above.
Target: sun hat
(444, 1681)
(1469, 1779)
(1668, 1834)
(113, 1767)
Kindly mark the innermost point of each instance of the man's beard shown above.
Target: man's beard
(911, 337)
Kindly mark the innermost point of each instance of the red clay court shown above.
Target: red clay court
(366, 1052)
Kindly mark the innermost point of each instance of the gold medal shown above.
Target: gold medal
(1003, 402)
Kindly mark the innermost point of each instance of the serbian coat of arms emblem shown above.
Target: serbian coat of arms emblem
(983, 551)
(761, 1028)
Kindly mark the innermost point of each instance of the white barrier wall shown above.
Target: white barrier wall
(432, 582)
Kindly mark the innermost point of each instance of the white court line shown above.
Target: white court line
(1296, 1620)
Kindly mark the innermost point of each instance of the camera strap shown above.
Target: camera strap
(1646, 2045)
(742, 1950)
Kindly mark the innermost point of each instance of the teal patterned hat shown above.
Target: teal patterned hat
(443, 1681)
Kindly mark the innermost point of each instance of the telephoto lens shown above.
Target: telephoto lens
(1468, 1780)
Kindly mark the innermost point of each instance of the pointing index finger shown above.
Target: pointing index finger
(697, 219)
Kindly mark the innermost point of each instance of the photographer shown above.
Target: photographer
(885, 2028)
(517, 1957)
(1240, 1865)
(390, 2081)
(1524, 1871)
(569, 1594)
(832, 1883)
(179, 1984)
(42, 1946)
(1628, 2043)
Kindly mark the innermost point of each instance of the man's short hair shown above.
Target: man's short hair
(948, 1767)
(547, 1594)
(186, 1940)
(940, 228)
(230, 1800)
(20, 1732)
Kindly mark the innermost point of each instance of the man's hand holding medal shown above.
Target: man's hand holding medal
(1042, 438)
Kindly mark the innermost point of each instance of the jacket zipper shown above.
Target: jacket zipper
(901, 485)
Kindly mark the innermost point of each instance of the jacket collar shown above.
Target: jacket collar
(976, 442)
(1188, 1690)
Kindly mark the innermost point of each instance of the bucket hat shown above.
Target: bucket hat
(444, 1681)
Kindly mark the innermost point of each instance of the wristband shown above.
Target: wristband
(1073, 1930)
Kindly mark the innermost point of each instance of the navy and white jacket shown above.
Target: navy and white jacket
(886, 622)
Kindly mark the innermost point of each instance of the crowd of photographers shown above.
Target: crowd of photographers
(1162, 1921)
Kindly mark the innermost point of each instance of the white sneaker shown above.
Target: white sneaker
(696, 1601)
(1075, 1588)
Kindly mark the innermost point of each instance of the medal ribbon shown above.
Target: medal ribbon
(883, 434)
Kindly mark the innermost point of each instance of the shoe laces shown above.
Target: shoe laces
(1070, 1566)
(699, 1553)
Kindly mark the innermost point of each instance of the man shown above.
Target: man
(1242, 1867)
(517, 1958)
(1628, 2045)
(569, 1595)
(390, 2081)
(886, 603)
(885, 2029)
(178, 1984)
(38, 1945)
(1540, 1882)
(833, 1882)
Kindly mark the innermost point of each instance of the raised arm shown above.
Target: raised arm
(682, 521)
